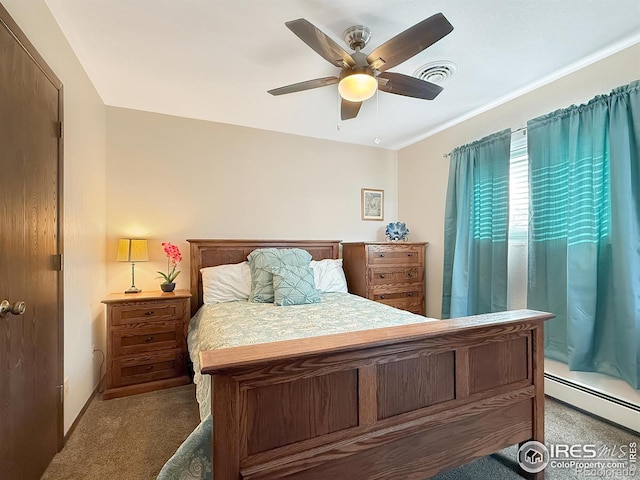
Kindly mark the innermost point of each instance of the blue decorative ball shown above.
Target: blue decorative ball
(397, 231)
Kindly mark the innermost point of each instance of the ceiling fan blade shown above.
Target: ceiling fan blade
(408, 86)
(321, 43)
(410, 42)
(349, 109)
(307, 85)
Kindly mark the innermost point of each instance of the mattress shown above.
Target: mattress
(225, 325)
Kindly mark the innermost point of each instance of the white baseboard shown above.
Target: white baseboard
(618, 402)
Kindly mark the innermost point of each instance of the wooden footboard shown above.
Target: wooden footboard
(400, 402)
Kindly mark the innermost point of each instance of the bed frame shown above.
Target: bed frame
(398, 402)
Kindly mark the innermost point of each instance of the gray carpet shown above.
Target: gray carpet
(128, 438)
(132, 437)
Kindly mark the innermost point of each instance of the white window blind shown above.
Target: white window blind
(518, 221)
(519, 188)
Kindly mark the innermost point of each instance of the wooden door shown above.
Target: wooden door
(31, 343)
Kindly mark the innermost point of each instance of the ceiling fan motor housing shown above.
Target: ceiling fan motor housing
(361, 64)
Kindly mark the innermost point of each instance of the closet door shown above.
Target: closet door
(31, 318)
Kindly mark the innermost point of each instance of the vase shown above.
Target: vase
(397, 232)
(167, 287)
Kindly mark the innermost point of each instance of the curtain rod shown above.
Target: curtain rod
(522, 129)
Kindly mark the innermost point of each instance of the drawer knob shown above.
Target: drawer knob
(149, 339)
(382, 254)
(382, 297)
(149, 313)
(409, 254)
(149, 368)
(410, 294)
(381, 275)
(409, 274)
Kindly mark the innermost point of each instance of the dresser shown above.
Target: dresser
(146, 342)
(387, 272)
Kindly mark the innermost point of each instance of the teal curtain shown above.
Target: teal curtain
(584, 245)
(476, 224)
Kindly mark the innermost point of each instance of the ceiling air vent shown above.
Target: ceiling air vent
(436, 72)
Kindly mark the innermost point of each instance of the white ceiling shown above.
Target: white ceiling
(216, 59)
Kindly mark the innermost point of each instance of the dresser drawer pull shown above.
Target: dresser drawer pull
(409, 254)
(381, 275)
(382, 254)
(149, 368)
(409, 274)
(149, 339)
(149, 313)
(410, 294)
(382, 297)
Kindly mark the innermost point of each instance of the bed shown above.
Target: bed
(403, 401)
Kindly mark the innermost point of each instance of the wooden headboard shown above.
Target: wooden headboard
(210, 253)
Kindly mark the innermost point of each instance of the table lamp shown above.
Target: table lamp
(132, 250)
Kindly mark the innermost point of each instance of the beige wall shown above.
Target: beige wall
(84, 203)
(423, 172)
(172, 178)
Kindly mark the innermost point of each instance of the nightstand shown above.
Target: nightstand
(387, 272)
(146, 342)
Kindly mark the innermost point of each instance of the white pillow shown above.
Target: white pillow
(226, 283)
(328, 275)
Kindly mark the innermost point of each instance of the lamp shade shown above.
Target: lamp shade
(357, 87)
(132, 250)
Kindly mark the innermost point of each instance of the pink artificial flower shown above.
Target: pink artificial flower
(173, 258)
(173, 252)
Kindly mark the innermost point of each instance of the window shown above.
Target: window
(519, 188)
(518, 221)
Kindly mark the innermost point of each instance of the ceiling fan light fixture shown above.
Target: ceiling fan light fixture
(357, 87)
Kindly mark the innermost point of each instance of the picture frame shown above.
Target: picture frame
(372, 204)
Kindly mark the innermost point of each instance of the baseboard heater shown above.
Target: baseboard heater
(591, 391)
(595, 402)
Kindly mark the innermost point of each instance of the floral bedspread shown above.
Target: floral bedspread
(232, 324)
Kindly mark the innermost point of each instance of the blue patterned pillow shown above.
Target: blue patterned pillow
(294, 286)
(261, 262)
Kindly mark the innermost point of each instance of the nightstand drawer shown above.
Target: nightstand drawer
(126, 314)
(146, 338)
(146, 368)
(394, 274)
(395, 254)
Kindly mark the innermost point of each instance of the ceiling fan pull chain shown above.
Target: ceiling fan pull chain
(377, 139)
(339, 100)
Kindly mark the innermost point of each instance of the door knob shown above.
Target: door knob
(18, 308)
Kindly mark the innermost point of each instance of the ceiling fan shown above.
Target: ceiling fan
(362, 74)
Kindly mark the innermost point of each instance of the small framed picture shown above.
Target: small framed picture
(372, 204)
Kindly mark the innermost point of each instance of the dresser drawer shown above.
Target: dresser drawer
(411, 304)
(146, 368)
(141, 338)
(394, 254)
(394, 274)
(384, 297)
(147, 312)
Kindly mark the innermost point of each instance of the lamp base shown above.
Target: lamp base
(132, 289)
